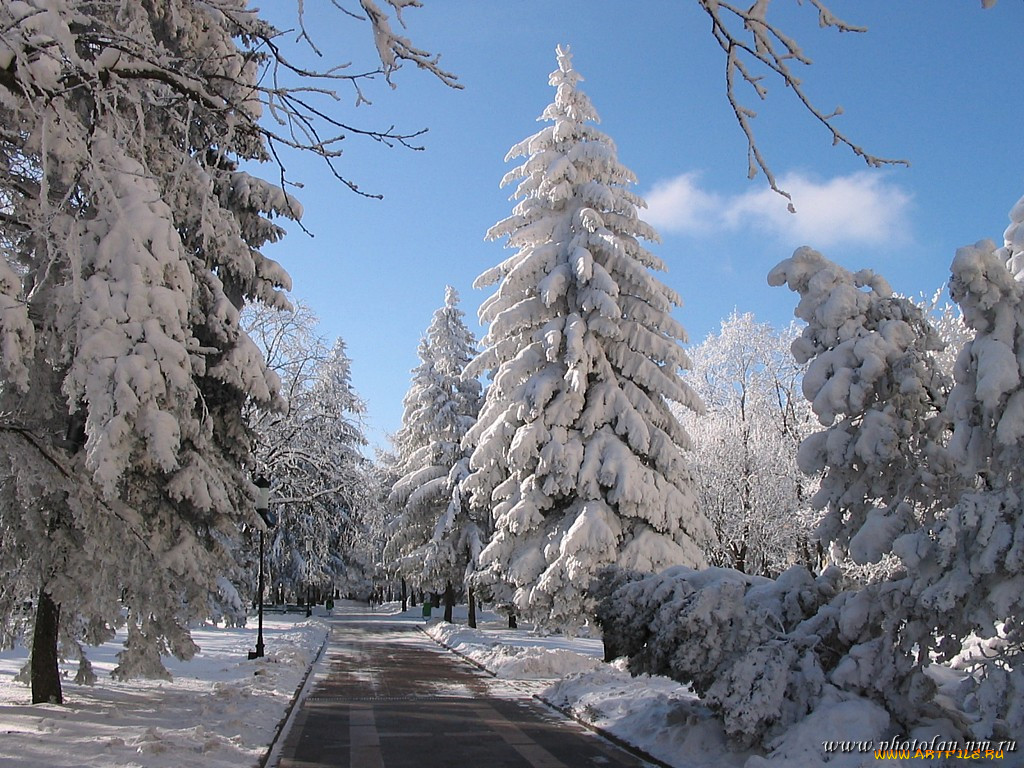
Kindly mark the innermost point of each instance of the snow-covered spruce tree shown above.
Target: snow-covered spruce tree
(130, 240)
(458, 535)
(412, 524)
(435, 526)
(349, 491)
(744, 455)
(576, 453)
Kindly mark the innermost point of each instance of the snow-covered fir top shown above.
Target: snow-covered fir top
(1013, 241)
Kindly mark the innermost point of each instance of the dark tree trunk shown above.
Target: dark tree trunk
(44, 672)
(472, 608)
(405, 597)
(449, 602)
(611, 652)
(512, 621)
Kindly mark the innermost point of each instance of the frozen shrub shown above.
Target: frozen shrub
(714, 629)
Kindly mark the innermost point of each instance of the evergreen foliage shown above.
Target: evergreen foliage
(577, 456)
(435, 538)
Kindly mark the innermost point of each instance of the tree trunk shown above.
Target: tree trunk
(472, 608)
(405, 597)
(611, 652)
(449, 602)
(512, 621)
(44, 672)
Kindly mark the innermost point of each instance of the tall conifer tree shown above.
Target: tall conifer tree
(577, 455)
(435, 539)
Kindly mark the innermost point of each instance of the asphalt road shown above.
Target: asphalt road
(387, 696)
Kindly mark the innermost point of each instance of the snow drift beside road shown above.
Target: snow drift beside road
(660, 716)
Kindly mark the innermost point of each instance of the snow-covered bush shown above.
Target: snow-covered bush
(737, 639)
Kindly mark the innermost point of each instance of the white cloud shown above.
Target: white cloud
(679, 205)
(862, 208)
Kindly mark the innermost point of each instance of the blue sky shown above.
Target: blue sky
(934, 83)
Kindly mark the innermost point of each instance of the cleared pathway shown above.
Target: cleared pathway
(387, 696)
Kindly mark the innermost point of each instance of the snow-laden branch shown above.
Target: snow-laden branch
(92, 55)
(132, 521)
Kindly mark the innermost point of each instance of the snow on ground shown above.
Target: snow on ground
(223, 710)
(517, 655)
(219, 710)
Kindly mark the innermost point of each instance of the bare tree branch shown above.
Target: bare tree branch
(746, 37)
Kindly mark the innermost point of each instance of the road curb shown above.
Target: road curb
(460, 654)
(565, 712)
(286, 722)
(618, 741)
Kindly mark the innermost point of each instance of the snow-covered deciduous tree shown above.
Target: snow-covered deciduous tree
(312, 451)
(131, 239)
(947, 320)
(755, 45)
(744, 453)
(436, 537)
(576, 453)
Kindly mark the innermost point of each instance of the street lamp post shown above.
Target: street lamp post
(269, 520)
(309, 573)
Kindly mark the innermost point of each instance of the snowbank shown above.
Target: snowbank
(518, 655)
(661, 717)
(219, 710)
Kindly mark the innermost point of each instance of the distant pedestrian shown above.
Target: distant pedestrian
(329, 605)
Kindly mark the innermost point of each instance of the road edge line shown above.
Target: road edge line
(604, 733)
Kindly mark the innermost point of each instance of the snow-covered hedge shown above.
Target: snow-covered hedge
(739, 640)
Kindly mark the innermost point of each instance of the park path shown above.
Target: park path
(387, 696)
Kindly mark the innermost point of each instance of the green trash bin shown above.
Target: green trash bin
(426, 609)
